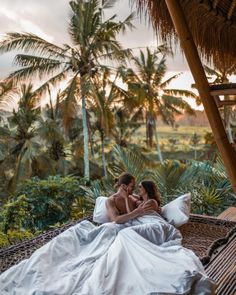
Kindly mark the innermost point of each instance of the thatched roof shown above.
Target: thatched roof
(212, 23)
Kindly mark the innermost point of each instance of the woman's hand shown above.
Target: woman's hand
(125, 191)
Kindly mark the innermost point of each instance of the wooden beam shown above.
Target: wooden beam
(223, 89)
(231, 91)
(228, 214)
(226, 150)
(221, 103)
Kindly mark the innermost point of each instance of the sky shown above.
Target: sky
(49, 20)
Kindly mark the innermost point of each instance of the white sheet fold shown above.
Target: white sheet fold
(141, 257)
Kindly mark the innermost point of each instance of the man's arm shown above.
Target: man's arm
(135, 200)
(131, 203)
(114, 215)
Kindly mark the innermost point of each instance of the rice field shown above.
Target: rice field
(183, 134)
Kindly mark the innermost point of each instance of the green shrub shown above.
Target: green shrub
(15, 236)
(16, 214)
(38, 204)
(3, 240)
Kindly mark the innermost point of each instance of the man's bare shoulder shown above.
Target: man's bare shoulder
(111, 199)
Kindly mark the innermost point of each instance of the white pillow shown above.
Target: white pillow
(100, 211)
(177, 211)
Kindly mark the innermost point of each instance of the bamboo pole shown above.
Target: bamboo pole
(226, 150)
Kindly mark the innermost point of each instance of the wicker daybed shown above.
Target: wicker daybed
(212, 239)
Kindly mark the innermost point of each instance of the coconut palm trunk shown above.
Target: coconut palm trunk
(149, 130)
(90, 134)
(104, 164)
(86, 139)
(195, 154)
(159, 153)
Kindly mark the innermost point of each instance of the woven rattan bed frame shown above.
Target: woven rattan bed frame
(208, 237)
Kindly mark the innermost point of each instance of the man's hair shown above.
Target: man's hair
(124, 178)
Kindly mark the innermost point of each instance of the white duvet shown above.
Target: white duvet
(141, 257)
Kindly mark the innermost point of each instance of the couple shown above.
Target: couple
(139, 254)
(123, 206)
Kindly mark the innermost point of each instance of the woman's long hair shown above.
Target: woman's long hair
(151, 190)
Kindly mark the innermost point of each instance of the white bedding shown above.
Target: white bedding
(142, 257)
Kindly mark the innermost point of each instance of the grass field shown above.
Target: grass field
(175, 144)
(183, 134)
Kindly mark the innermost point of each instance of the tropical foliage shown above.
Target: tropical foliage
(39, 204)
(60, 149)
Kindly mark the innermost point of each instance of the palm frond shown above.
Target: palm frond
(167, 176)
(24, 60)
(128, 161)
(29, 42)
(210, 71)
(69, 102)
(181, 93)
(51, 82)
(164, 84)
(34, 72)
(23, 168)
(8, 94)
(106, 4)
(160, 71)
(176, 104)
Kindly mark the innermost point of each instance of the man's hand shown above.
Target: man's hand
(158, 210)
(147, 207)
(144, 208)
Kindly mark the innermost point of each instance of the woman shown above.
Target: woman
(149, 194)
(143, 257)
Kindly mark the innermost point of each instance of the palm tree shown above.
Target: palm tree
(94, 40)
(127, 123)
(149, 90)
(19, 137)
(194, 140)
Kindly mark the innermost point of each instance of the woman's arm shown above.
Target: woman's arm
(114, 215)
(154, 205)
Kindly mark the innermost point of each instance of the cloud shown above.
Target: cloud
(10, 14)
(51, 16)
(49, 19)
(30, 27)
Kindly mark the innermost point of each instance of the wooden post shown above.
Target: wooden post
(226, 150)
